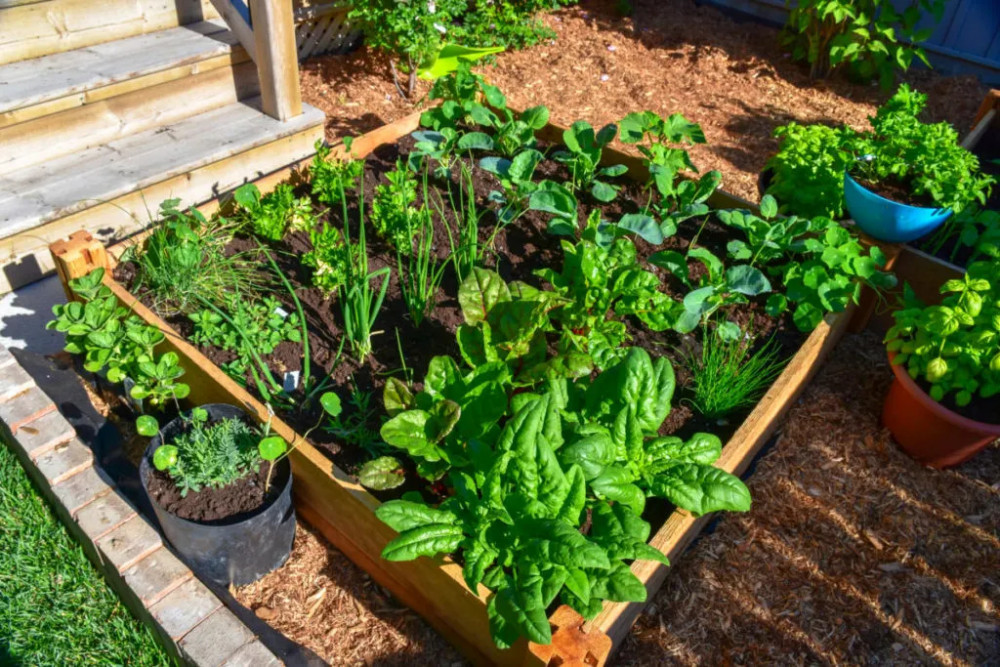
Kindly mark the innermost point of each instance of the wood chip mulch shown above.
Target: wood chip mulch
(852, 553)
(670, 56)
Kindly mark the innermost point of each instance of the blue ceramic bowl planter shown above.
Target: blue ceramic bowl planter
(887, 220)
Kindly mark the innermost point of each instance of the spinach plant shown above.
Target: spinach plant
(955, 345)
(582, 156)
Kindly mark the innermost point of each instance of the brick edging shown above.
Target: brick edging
(190, 621)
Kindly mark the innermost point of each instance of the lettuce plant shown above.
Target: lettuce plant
(954, 346)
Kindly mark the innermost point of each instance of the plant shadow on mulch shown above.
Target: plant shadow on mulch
(852, 553)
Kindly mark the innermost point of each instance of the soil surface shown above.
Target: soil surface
(898, 192)
(229, 504)
(731, 77)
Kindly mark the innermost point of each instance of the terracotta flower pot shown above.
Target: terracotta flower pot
(926, 430)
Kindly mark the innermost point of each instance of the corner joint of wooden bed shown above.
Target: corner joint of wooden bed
(77, 256)
(573, 644)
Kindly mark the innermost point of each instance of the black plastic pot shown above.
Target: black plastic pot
(238, 551)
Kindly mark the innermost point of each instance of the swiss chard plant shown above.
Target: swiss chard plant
(953, 346)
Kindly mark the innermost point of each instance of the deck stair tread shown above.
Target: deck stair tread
(50, 190)
(37, 80)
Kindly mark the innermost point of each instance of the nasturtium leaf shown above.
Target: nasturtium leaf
(729, 330)
(272, 447)
(331, 403)
(147, 426)
(164, 457)
(382, 474)
(776, 304)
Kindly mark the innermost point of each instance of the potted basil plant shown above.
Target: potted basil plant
(944, 403)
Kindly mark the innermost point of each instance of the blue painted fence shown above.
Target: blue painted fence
(966, 41)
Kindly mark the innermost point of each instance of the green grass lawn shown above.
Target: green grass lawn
(55, 607)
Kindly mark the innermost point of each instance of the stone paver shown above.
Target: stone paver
(215, 639)
(6, 358)
(14, 380)
(24, 408)
(124, 546)
(103, 514)
(65, 460)
(156, 575)
(77, 491)
(253, 654)
(39, 436)
(184, 607)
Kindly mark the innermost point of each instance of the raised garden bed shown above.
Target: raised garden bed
(331, 499)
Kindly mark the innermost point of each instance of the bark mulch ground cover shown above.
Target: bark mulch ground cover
(852, 553)
(670, 56)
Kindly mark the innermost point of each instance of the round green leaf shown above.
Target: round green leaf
(164, 457)
(147, 426)
(272, 447)
(331, 404)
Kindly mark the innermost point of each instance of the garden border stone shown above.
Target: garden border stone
(190, 621)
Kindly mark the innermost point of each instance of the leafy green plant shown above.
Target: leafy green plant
(599, 277)
(329, 259)
(807, 172)
(261, 324)
(533, 475)
(583, 158)
(515, 176)
(821, 266)
(184, 259)
(658, 140)
(973, 227)
(513, 24)
(272, 215)
(926, 158)
(393, 214)
(420, 272)
(868, 37)
(331, 179)
(110, 339)
(727, 376)
(954, 346)
(209, 455)
(412, 33)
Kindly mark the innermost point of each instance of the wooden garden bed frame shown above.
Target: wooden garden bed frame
(343, 511)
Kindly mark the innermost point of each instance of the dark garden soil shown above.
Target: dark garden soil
(228, 504)
(898, 192)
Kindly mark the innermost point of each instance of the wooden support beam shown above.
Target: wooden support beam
(238, 25)
(276, 57)
(77, 256)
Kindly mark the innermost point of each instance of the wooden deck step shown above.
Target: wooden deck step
(34, 29)
(41, 86)
(112, 189)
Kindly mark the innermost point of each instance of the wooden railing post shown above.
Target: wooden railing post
(276, 57)
(77, 256)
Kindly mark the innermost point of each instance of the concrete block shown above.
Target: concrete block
(39, 436)
(156, 575)
(254, 654)
(102, 514)
(13, 381)
(65, 460)
(184, 607)
(215, 639)
(78, 491)
(24, 408)
(130, 542)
